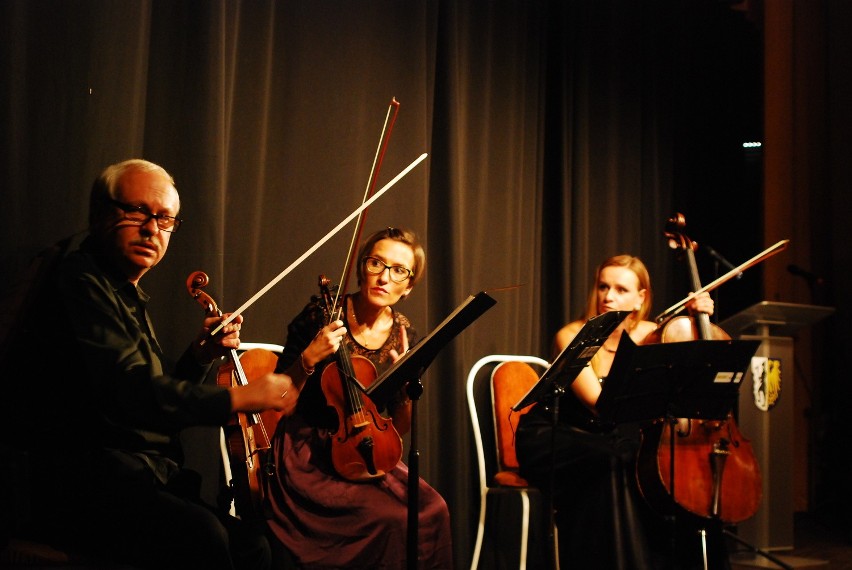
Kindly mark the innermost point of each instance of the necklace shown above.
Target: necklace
(359, 335)
(363, 330)
(608, 349)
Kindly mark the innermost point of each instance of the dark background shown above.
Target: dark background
(559, 133)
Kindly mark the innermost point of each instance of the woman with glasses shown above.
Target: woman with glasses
(325, 519)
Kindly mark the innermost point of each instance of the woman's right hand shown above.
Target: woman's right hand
(325, 343)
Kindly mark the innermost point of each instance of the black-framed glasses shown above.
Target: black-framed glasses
(139, 215)
(375, 266)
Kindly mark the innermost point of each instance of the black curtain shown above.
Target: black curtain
(559, 133)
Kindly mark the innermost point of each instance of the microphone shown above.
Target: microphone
(721, 259)
(809, 276)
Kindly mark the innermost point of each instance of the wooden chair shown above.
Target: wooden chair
(494, 384)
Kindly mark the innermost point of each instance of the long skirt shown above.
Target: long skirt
(328, 522)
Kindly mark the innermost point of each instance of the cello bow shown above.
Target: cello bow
(759, 258)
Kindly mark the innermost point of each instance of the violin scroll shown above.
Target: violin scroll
(196, 281)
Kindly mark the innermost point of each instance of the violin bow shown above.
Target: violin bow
(384, 138)
(317, 245)
(760, 257)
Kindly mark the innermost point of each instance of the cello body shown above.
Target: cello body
(683, 329)
(700, 447)
(714, 470)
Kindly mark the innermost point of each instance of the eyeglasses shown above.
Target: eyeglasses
(376, 266)
(139, 215)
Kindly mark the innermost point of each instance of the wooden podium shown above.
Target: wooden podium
(765, 412)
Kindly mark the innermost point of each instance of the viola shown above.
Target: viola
(365, 445)
(716, 474)
(248, 457)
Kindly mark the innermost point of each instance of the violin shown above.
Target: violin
(365, 445)
(248, 458)
(716, 475)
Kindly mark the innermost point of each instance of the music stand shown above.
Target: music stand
(410, 368)
(573, 358)
(414, 363)
(558, 376)
(695, 379)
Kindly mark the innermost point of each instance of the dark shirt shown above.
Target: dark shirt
(98, 379)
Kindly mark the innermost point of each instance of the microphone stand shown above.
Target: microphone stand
(720, 260)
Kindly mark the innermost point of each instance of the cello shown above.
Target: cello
(716, 475)
(246, 453)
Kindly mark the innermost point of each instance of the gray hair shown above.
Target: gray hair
(105, 186)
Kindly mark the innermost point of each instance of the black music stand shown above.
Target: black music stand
(573, 358)
(696, 379)
(559, 375)
(693, 379)
(410, 368)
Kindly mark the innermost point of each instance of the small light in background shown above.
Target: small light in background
(752, 151)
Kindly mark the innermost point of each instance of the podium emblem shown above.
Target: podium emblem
(766, 378)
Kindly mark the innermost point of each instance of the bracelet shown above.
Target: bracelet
(308, 371)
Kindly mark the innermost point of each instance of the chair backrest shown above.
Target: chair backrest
(481, 405)
(510, 381)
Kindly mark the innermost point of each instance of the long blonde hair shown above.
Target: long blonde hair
(635, 265)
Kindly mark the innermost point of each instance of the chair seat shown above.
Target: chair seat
(510, 479)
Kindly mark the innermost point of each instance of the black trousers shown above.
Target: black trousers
(114, 507)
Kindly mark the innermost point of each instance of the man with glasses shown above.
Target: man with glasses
(110, 408)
